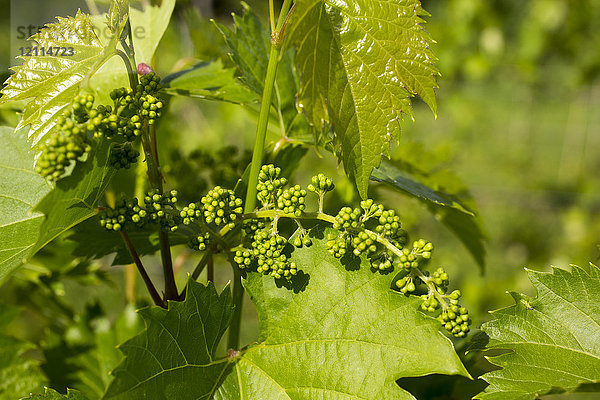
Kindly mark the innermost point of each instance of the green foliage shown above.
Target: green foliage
(452, 208)
(75, 198)
(50, 394)
(19, 373)
(249, 45)
(97, 243)
(53, 81)
(209, 80)
(341, 333)
(20, 190)
(553, 338)
(174, 357)
(96, 363)
(357, 78)
(118, 13)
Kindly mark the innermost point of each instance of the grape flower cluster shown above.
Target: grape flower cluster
(369, 231)
(81, 126)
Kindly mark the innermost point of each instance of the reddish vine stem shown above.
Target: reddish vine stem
(171, 292)
(210, 271)
(136, 259)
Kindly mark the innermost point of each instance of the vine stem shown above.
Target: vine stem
(171, 292)
(131, 74)
(257, 159)
(136, 259)
(154, 174)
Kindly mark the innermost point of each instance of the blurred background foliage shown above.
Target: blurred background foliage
(518, 118)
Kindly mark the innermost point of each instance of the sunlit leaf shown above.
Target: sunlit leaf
(20, 190)
(339, 332)
(209, 81)
(553, 339)
(51, 81)
(360, 63)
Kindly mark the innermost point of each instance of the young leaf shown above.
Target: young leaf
(75, 198)
(249, 48)
(360, 63)
(208, 81)
(51, 394)
(51, 81)
(174, 358)
(149, 26)
(118, 13)
(20, 190)
(341, 333)
(554, 338)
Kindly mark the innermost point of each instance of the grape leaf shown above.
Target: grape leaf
(208, 81)
(345, 335)
(151, 24)
(249, 46)
(18, 373)
(52, 81)
(118, 12)
(455, 208)
(360, 63)
(51, 394)
(174, 358)
(554, 338)
(401, 180)
(20, 190)
(75, 198)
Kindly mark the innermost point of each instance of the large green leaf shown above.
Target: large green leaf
(51, 394)
(209, 81)
(75, 198)
(249, 44)
(20, 190)
(19, 374)
(51, 81)
(174, 358)
(344, 335)
(554, 338)
(360, 63)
